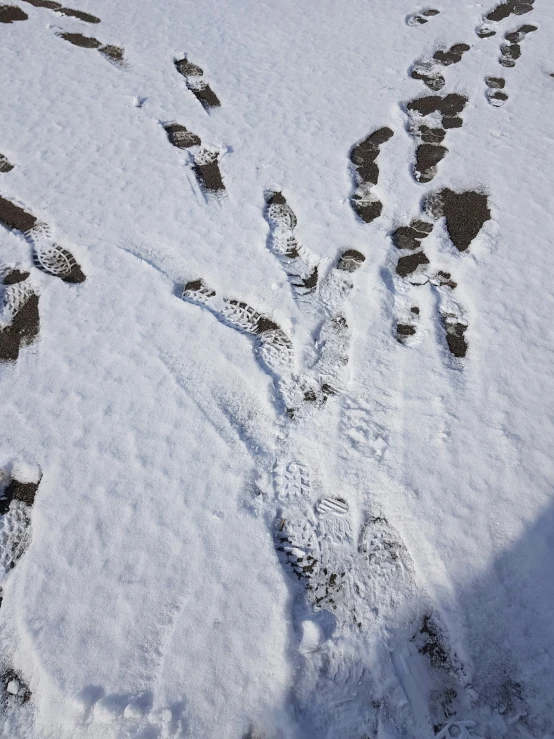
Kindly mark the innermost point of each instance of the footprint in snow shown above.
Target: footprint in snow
(421, 17)
(196, 84)
(114, 54)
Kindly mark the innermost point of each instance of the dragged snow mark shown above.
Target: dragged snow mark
(429, 151)
(114, 54)
(180, 137)
(47, 255)
(421, 17)
(495, 91)
(366, 174)
(193, 76)
(208, 175)
(15, 519)
(500, 13)
(299, 265)
(11, 13)
(15, 692)
(465, 214)
(429, 71)
(5, 166)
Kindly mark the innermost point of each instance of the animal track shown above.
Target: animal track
(366, 172)
(300, 267)
(47, 255)
(428, 71)
(429, 151)
(11, 13)
(5, 166)
(421, 17)
(114, 54)
(495, 91)
(500, 13)
(193, 77)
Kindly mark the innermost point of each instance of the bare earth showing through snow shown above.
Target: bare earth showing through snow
(276, 370)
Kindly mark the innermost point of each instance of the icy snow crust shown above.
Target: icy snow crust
(320, 526)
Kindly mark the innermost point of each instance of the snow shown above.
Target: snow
(176, 499)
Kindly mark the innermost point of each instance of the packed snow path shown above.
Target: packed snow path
(275, 364)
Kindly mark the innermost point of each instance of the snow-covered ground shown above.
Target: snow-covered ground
(277, 400)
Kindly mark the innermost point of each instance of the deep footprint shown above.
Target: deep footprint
(366, 205)
(201, 90)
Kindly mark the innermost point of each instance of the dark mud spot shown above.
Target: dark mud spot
(11, 13)
(265, 324)
(454, 122)
(430, 641)
(350, 261)
(497, 83)
(453, 104)
(485, 32)
(86, 17)
(405, 329)
(13, 276)
(12, 216)
(408, 264)
(77, 39)
(5, 166)
(465, 214)
(427, 158)
(208, 176)
(14, 688)
(206, 96)
(276, 198)
(113, 54)
(180, 137)
(23, 491)
(455, 335)
(22, 332)
(509, 54)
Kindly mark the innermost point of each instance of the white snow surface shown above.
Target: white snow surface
(151, 600)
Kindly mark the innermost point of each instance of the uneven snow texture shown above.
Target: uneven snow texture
(288, 408)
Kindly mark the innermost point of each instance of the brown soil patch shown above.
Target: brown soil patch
(77, 39)
(12, 216)
(50, 4)
(14, 276)
(22, 332)
(368, 211)
(427, 158)
(11, 13)
(113, 53)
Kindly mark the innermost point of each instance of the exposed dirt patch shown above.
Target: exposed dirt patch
(453, 55)
(12, 216)
(511, 7)
(427, 158)
(465, 214)
(11, 13)
(410, 237)
(77, 39)
(22, 332)
(180, 137)
(455, 335)
(13, 276)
